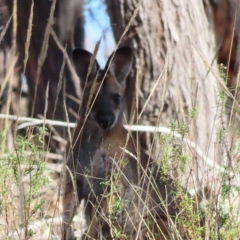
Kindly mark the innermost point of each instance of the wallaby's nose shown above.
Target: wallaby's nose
(105, 120)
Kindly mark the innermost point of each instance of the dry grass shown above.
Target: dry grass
(25, 216)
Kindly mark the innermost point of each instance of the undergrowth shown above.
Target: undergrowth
(22, 177)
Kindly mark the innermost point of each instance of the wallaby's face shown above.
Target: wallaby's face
(104, 87)
(107, 109)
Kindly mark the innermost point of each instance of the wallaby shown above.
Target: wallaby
(122, 187)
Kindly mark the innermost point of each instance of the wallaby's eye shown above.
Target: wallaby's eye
(116, 98)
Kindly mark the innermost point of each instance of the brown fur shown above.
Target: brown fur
(227, 36)
(97, 151)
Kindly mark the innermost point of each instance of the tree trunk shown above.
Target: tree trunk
(174, 37)
(51, 69)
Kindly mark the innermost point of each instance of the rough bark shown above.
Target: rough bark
(50, 72)
(169, 35)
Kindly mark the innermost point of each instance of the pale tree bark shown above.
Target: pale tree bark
(173, 36)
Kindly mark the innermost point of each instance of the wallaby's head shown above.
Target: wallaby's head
(106, 85)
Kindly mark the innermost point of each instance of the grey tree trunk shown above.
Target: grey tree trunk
(172, 43)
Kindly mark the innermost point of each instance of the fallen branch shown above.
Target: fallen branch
(139, 128)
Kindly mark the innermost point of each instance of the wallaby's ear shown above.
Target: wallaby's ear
(121, 63)
(81, 60)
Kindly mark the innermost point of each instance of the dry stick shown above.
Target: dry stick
(134, 189)
(3, 32)
(72, 70)
(76, 83)
(229, 94)
(161, 107)
(45, 109)
(217, 77)
(21, 189)
(51, 128)
(35, 121)
(136, 111)
(65, 167)
(92, 59)
(150, 95)
(9, 76)
(9, 79)
(7, 124)
(44, 50)
(139, 128)
(155, 137)
(232, 37)
(90, 68)
(29, 153)
(142, 221)
(75, 99)
(27, 44)
(235, 94)
(89, 103)
(28, 39)
(68, 126)
(110, 61)
(39, 223)
(59, 86)
(155, 188)
(14, 32)
(231, 174)
(128, 25)
(14, 47)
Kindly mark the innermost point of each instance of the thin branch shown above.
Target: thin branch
(134, 128)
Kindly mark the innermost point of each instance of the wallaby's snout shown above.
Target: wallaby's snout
(108, 107)
(106, 121)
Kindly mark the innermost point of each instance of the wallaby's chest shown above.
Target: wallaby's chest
(103, 154)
